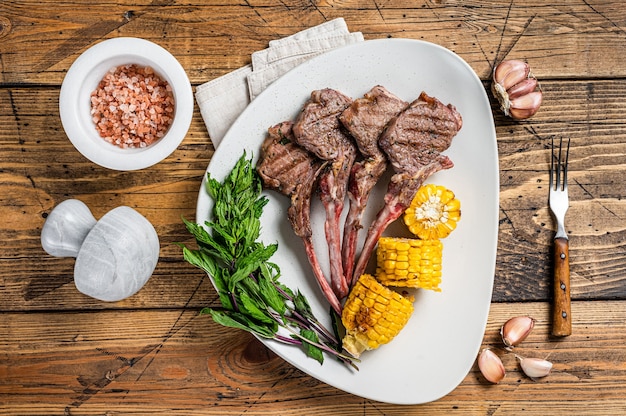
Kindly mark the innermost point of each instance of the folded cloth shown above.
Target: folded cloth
(332, 27)
(276, 61)
(222, 100)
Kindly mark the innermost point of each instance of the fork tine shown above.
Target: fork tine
(565, 165)
(551, 183)
(558, 167)
(551, 163)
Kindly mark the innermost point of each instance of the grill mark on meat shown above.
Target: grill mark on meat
(317, 126)
(424, 129)
(291, 170)
(413, 142)
(317, 129)
(365, 119)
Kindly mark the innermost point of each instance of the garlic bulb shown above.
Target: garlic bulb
(535, 367)
(491, 366)
(515, 87)
(516, 329)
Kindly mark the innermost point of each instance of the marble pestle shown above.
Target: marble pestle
(115, 256)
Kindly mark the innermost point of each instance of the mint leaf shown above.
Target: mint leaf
(311, 350)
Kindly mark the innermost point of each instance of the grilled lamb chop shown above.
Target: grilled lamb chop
(318, 130)
(413, 142)
(365, 119)
(291, 170)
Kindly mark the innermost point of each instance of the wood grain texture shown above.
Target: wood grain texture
(62, 353)
(562, 40)
(177, 362)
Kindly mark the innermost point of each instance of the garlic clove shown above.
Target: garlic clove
(525, 106)
(516, 329)
(509, 73)
(491, 366)
(522, 88)
(535, 367)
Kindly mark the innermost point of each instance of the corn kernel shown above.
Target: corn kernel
(368, 327)
(422, 268)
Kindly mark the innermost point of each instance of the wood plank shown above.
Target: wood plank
(176, 362)
(210, 39)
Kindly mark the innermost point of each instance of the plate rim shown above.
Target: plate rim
(495, 230)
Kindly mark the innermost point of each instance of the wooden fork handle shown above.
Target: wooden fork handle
(561, 307)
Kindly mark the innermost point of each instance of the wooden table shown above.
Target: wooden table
(63, 353)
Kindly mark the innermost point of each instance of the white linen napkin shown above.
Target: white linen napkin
(222, 100)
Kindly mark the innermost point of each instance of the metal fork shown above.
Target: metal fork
(559, 203)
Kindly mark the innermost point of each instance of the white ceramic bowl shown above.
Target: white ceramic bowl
(83, 78)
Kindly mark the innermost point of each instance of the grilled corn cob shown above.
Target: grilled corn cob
(409, 262)
(373, 315)
(433, 213)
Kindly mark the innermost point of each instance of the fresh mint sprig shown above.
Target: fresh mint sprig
(251, 295)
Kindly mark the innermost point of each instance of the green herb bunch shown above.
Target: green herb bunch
(230, 252)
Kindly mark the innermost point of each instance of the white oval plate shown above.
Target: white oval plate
(437, 348)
